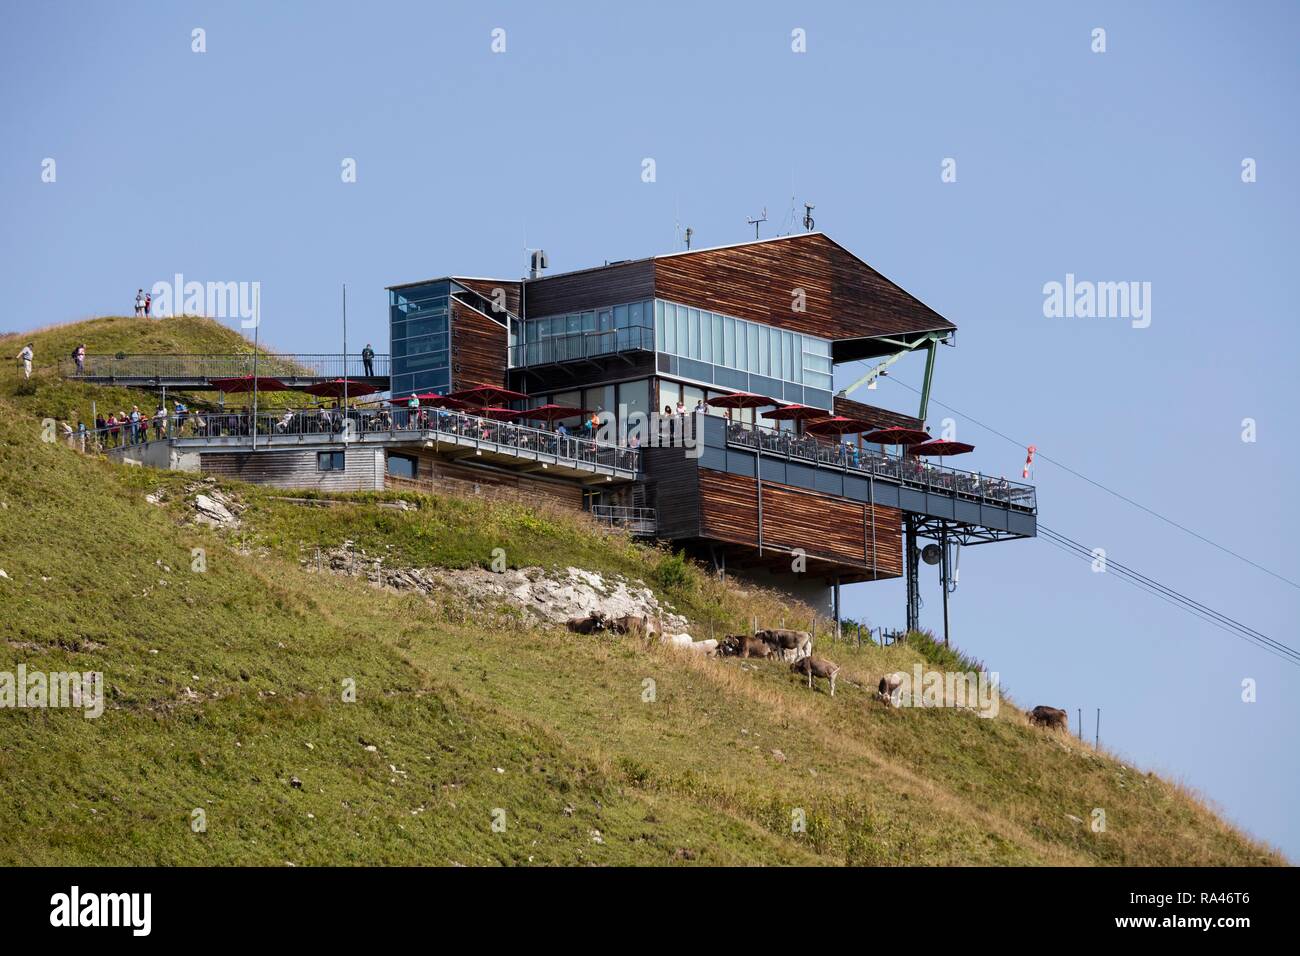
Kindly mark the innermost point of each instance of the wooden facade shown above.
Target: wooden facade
(478, 348)
(843, 297)
(513, 289)
(880, 417)
(436, 473)
(590, 288)
(298, 468)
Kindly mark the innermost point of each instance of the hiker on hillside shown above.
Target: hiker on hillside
(368, 359)
(25, 356)
(79, 356)
(148, 303)
(139, 303)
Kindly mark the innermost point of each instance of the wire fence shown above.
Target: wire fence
(189, 367)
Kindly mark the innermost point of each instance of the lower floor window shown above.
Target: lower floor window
(403, 466)
(329, 461)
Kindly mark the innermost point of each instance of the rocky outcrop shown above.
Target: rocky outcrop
(548, 597)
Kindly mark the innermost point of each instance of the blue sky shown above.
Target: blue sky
(1115, 166)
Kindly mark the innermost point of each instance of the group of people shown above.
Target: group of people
(143, 303)
(123, 428)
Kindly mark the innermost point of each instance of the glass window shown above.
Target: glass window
(634, 405)
(751, 345)
(403, 466)
(693, 333)
(669, 394)
(728, 343)
(701, 371)
(717, 339)
(682, 338)
(787, 357)
(635, 314)
(620, 316)
(692, 396)
(604, 320)
(670, 328)
(589, 321)
(329, 461)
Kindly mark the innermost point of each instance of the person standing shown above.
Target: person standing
(368, 359)
(159, 422)
(136, 430)
(139, 303)
(25, 356)
(79, 356)
(148, 303)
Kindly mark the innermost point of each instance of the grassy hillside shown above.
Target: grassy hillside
(47, 395)
(226, 695)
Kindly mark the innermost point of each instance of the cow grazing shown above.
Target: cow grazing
(1051, 717)
(889, 690)
(816, 667)
(786, 643)
(590, 624)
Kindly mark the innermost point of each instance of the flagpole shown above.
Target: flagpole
(257, 328)
(345, 362)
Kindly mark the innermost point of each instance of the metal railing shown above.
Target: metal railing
(166, 367)
(635, 520)
(909, 471)
(357, 422)
(583, 345)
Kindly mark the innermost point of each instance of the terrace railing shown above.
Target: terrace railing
(635, 520)
(167, 367)
(335, 424)
(583, 345)
(909, 471)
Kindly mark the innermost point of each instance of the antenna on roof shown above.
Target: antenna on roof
(689, 232)
(755, 222)
(808, 221)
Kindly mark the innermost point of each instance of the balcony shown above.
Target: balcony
(582, 346)
(917, 473)
(456, 433)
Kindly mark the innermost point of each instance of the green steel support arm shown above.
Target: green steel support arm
(930, 351)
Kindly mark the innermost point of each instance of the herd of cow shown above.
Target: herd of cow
(782, 644)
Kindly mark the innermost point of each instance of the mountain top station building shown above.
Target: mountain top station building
(761, 325)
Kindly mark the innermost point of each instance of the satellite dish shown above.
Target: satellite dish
(931, 554)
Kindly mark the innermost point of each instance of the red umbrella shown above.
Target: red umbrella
(897, 435)
(488, 395)
(795, 412)
(335, 389)
(431, 400)
(940, 447)
(498, 413)
(838, 425)
(245, 383)
(553, 413)
(741, 400)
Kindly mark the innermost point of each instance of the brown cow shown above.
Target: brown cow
(1051, 717)
(816, 667)
(743, 645)
(782, 640)
(593, 622)
(638, 625)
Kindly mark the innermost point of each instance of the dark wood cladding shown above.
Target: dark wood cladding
(478, 348)
(826, 528)
(590, 289)
(844, 297)
(487, 288)
(675, 491)
(363, 468)
(880, 417)
(437, 474)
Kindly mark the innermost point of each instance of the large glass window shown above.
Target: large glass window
(730, 352)
(419, 337)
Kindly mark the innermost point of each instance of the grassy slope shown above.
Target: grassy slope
(473, 713)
